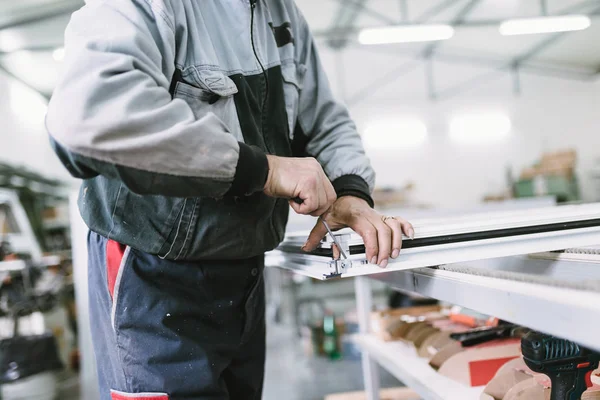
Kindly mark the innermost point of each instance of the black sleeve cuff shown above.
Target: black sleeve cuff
(251, 172)
(353, 185)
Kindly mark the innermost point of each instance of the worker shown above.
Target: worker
(193, 124)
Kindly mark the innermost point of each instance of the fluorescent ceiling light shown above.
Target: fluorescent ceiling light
(480, 128)
(526, 26)
(395, 134)
(58, 54)
(405, 34)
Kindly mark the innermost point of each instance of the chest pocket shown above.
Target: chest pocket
(213, 94)
(293, 81)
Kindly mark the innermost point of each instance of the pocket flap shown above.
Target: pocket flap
(216, 82)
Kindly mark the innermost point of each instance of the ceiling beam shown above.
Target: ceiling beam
(410, 66)
(345, 18)
(496, 64)
(458, 18)
(430, 48)
(496, 68)
(519, 61)
(456, 22)
(370, 88)
(436, 9)
(360, 5)
(404, 16)
(464, 12)
(41, 13)
(538, 48)
(549, 41)
(340, 33)
(544, 7)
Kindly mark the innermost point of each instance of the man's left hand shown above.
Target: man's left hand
(382, 235)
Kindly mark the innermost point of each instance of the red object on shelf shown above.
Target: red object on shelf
(483, 371)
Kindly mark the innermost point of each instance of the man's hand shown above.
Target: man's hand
(382, 236)
(301, 178)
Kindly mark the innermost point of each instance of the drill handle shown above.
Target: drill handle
(569, 385)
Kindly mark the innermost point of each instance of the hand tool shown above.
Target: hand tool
(484, 334)
(568, 365)
(298, 200)
(339, 246)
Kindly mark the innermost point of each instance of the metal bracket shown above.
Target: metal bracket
(338, 267)
(342, 265)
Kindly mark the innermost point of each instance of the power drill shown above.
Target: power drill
(568, 365)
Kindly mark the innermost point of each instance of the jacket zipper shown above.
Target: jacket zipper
(264, 72)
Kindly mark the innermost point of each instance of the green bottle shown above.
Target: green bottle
(330, 337)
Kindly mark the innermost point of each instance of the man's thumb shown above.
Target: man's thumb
(315, 236)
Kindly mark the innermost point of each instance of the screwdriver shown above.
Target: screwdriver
(298, 200)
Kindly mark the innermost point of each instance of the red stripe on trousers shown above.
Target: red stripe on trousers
(114, 256)
(119, 396)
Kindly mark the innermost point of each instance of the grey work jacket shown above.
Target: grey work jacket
(167, 109)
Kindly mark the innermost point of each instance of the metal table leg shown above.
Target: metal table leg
(364, 305)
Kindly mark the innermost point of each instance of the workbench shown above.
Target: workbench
(548, 293)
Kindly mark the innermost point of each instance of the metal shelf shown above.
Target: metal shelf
(401, 360)
(556, 297)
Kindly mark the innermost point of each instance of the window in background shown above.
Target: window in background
(395, 134)
(480, 128)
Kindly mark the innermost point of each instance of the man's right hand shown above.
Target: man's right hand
(301, 178)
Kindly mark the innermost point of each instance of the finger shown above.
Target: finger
(295, 206)
(316, 235)
(336, 251)
(384, 238)
(302, 209)
(369, 235)
(408, 230)
(309, 202)
(396, 227)
(407, 227)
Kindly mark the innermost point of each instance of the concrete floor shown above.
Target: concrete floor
(292, 375)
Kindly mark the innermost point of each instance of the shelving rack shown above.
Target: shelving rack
(402, 362)
(556, 297)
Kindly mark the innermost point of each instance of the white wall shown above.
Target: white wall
(23, 138)
(549, 114)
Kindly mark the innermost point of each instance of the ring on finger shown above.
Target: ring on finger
(384, 218)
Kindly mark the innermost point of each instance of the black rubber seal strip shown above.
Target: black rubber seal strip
(464, 237)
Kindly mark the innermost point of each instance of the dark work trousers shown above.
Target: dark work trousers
(174, 330)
